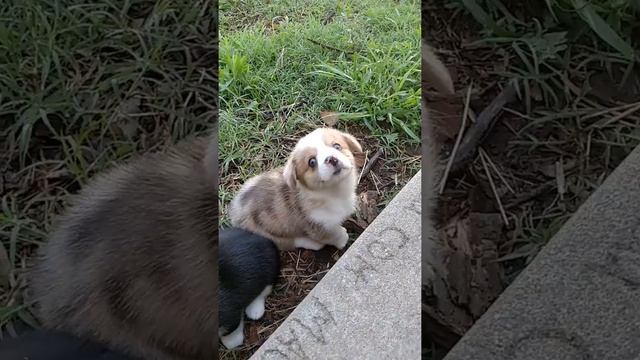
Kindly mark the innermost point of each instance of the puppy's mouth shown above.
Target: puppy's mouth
(341, 169)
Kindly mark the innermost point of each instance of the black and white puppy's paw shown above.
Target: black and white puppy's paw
(255, 310)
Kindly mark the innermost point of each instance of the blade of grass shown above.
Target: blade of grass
(588, 13)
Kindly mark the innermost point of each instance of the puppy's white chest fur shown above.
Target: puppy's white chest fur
(330, 210)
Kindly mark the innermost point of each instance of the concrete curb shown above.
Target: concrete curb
(368, 305)
(580, 297)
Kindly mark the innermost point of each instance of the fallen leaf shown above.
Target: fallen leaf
(456, 234)
(368, 205)
(252, 336)
(330, 118)
(355, 224)
(474, 278)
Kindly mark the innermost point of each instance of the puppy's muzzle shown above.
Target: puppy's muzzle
(333, 161)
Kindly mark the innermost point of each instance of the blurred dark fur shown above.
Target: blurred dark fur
(43, 344)
(133, 262)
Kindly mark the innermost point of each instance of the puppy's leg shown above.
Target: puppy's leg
(236, 337)
(255, 310)
(306, 243)
(337, 237)
(341, 237)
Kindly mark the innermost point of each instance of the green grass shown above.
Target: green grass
(282, 63)
(84, 84)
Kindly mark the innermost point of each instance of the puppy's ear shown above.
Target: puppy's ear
(355, 148)
(289, 173)
(359, 158)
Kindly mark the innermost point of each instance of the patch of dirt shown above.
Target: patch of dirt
(535, 174)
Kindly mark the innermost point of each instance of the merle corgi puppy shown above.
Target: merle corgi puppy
(304, 203)
(249, 265)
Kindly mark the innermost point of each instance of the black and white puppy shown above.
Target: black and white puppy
(248, 267)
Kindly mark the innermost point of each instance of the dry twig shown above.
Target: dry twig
(481, 128)
(458, 140)
(367, 168)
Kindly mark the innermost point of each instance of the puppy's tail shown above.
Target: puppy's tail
(436, 75)
(211, 156)
(434, 72)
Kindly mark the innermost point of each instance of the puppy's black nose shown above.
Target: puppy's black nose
(331, 160)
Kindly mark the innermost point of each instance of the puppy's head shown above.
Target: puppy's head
(322, 159)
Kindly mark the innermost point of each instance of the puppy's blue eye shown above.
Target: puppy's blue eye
(312, 162)
(337, 146)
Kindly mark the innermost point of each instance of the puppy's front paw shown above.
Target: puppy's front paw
(233, 339)
(308, 244)
(255, 310)
(342, 239)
